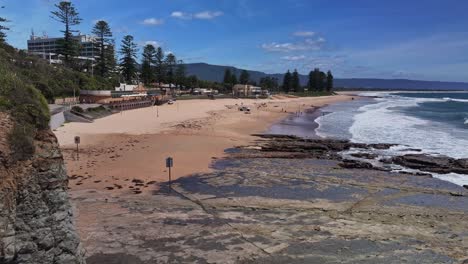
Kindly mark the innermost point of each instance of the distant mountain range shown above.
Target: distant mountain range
(216, 73)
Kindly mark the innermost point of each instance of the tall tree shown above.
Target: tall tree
(310, 82)
(322, 80)
(148, 61)
(192, 81)
(69, 17)
(329, 81)
(128, 63)
(111, 59)
(103, 42)
(234, 79)
(160, 66)
(3, 28)
(295, 82)
(287, 82)
(227, 76)
(269, 83)
(316, 80)
(180, 73)
(244, 77)
(170, 63)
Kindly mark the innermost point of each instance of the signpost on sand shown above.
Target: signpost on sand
(169, 165)
(77, 142)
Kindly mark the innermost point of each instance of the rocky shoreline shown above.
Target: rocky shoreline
(287, 146)
(282, 200)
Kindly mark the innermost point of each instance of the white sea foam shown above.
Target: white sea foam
(374, 94)
(458, 179)
(381, 120)
(377, 123)
(455, 100)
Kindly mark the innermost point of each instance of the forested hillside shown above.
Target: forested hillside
(215, 73)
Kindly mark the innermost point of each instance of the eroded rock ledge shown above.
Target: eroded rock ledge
(439, 164)
(285, 146)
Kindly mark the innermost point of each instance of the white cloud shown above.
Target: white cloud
(294, 58)
(208, 14)
(205, 15)
(181, 15)
(306, 45)
(123, 29)
(304, 34)
(152, 22)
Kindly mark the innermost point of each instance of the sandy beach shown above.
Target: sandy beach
(289, 201)
(125, 148)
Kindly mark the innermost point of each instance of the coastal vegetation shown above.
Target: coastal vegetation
(105, 61)
(26, 106)
(69, 17)
(128, 62)
(318, 83)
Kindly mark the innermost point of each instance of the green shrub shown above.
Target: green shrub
(21, 142)
(26, 105)
(77, 109)
(46, 91)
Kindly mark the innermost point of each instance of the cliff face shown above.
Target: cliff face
(36, 221)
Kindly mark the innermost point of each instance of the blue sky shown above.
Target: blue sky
(415, 39)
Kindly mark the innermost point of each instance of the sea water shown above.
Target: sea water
(435, 122)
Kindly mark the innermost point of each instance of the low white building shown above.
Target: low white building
(246, 90)
(126, 87)
(204, 91)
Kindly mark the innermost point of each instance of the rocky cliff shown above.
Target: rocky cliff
(36, 221)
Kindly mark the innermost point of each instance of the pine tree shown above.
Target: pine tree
(317, 80)
(269, 83)
(110, 58)
(160, 67)
(244, 77)
(104, 40)
(170, 63)
(322, 80)
(311, 82)
(69, 17)
(295, 82)
(128, 61)
(180, 73)
(329, 81)
(3, 28)
(234, 79)
(193, 81)
(227, 76)
(287, 82)
(148, 61)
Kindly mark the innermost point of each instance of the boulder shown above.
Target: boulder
(364, 155)
(437, 164)
(355, 164)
